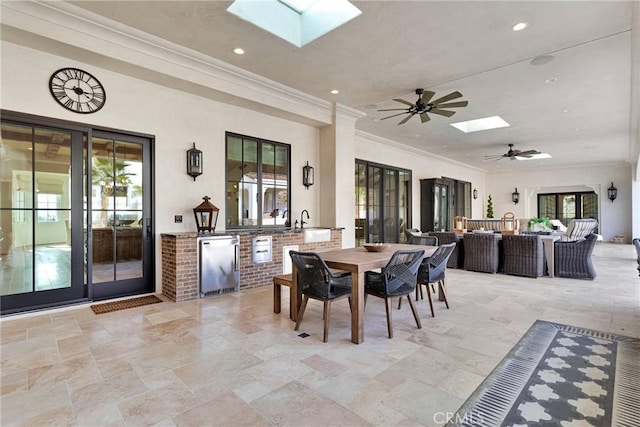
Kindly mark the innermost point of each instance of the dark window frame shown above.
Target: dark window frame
(260, 142)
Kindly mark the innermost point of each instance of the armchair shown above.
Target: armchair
(573, 259)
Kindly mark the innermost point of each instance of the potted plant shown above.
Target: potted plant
(540, 224)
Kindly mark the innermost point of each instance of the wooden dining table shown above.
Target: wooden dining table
(357, 261)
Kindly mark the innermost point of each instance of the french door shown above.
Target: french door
(58, 203)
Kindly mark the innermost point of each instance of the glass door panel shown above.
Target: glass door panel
(120, 206)
(567, 207)
(374, 204)
(37, 195)
(390, 213)
(360, 214)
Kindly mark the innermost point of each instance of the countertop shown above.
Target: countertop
(243, 231)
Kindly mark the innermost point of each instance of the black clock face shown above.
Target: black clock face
(77, 91)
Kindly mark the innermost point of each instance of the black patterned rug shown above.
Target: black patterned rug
(559, 375)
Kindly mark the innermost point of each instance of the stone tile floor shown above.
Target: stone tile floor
(231, 361)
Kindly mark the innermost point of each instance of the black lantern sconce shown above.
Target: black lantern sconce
(612, 192)
(206, 216)
(515, 196)
(307, 175)
(475, 194)
(194, 162)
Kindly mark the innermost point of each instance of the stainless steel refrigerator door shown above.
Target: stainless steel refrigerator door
(218, 265)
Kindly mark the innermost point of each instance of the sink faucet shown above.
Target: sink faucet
(302, 222)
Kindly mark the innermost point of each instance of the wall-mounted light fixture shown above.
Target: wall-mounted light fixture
(475, 194)
(194, 162)
(206, 215)
(612, 192)
(307, 175)
(515, 196)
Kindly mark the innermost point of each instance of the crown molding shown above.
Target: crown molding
(61, 22)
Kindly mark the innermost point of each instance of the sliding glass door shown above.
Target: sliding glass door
(383, 205)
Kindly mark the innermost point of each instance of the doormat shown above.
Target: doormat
(108, 307)
(559, 375)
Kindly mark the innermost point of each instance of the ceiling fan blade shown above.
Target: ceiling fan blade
(424, 117)
(452, 95)
(527, 153)
(403, 101)
(406, 119)
(393, 115)
(427, 95)
(452, 104)
(442, 112)
(394, 109)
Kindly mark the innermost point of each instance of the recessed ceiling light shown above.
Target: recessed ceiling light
(416, 135)
(520, 26)
(335, 91)
(444, 146)
(238, 51)
(486, 123)
(541, 60)
(566, 110)
(551, 80)
(376, 120)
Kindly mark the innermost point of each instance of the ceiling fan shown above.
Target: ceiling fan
(424, 105)
(512, 154)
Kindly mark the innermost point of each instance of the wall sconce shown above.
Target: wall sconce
(307, 175)
(475, 194)
(515, 196)
(206, 215)
(194, 162)
(612, 192)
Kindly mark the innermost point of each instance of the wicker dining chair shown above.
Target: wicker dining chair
(319, 282)
(573, 259)
(456, 260)
(523, 255)
(397, 279)
(481, 252)
(423, 240)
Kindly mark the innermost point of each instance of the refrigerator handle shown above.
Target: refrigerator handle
(235, 258)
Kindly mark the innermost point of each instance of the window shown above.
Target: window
(258, 182)
(568, 206)
(48, 205)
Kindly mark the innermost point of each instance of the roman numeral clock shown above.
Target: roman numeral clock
(77, 91)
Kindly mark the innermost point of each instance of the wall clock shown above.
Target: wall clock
(77, 91)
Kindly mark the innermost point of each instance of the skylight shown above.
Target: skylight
(486, 123)
(535, 156)
(296, 21)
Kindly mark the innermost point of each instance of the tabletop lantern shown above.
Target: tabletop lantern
(206, 216)
(460, 224)
(509, 223)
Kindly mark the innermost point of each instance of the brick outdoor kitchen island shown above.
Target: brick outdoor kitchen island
(180, 258)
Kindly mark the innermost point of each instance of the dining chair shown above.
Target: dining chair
(397, 279)
(319, 282)
(423, 240)
(432, 270)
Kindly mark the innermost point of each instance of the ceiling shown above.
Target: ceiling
(576, 107)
